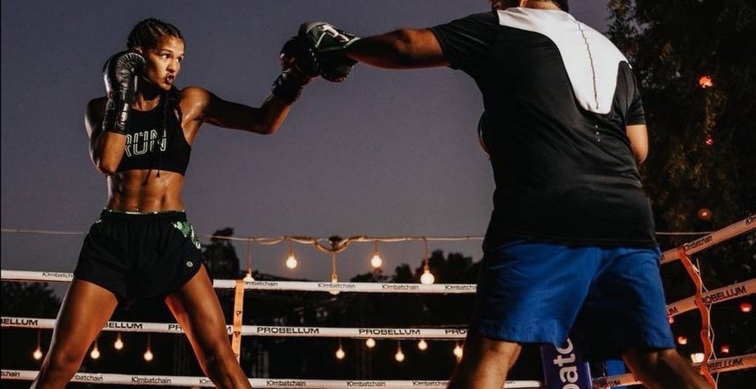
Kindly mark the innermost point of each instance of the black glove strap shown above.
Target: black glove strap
(289, 85)
(116, 115)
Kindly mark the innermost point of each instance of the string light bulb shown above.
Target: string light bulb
(118, 345)
(334, 279)
(682, 339)
(95, 353)
(334, 276)
(705, 81)
(709, 140)
(291, 260)
(422, 345)
(427, 278)
(458, 351)
(148, 354)
(340, 354)
(370, 343)
(671, 319)
(399, 356)
(376, 262)
(704, 213)
(745, 307)
(37, 354)
(248, 277)
(725, 349)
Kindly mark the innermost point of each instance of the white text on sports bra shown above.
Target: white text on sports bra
(143, 142)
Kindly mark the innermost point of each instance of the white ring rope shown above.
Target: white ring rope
(721, 365)
(306, 286)
(252, 330)
(717, 295)
(280, 383)
(712, 297)
(741, 227)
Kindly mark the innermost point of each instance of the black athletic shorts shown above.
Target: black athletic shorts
(139, 255)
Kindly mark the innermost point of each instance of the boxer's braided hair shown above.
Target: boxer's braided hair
(147, 34)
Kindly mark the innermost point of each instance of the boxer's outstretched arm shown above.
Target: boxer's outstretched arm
(399, 49)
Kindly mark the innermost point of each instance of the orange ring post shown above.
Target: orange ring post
(238, 311)
(695, 275)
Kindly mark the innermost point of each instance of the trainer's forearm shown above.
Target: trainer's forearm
(399, 49)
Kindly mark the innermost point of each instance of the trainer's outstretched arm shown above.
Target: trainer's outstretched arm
(399, 49)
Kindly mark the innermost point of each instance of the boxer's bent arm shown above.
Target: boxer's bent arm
(399, 49)
(105, 147)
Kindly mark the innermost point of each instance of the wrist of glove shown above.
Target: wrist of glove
(116, 116)
(326, 46)
(289, 85)
(120, 73)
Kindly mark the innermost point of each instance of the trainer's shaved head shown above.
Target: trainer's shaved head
(504, 4)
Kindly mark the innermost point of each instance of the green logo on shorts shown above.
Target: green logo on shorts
(186, 229)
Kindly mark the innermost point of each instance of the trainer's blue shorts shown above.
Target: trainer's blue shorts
(607, 300)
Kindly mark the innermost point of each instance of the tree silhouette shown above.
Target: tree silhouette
(696, 62)
(220, 256)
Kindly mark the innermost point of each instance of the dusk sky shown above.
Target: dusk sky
(386, 153)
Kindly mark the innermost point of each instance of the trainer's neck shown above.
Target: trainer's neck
(539, 4)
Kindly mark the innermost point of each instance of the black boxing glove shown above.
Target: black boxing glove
(120, 75)
(295, 72)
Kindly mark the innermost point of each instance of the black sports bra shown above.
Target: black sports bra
(155, 141)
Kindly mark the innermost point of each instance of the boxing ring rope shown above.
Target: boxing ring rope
(702, 300)
(704, 242)
(283, 383)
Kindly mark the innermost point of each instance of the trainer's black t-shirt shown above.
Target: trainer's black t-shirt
(155, 141)
(558, 96)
